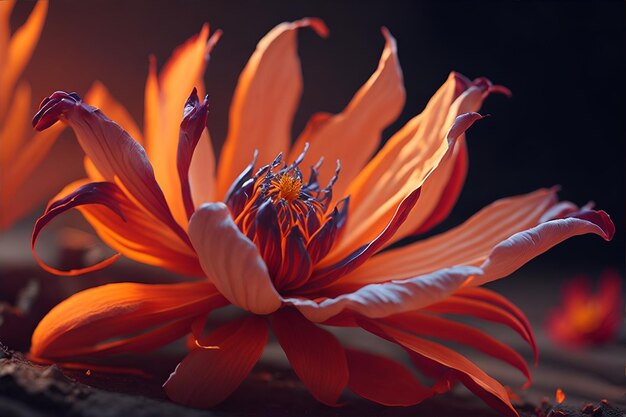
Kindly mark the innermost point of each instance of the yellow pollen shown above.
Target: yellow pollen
(289, 188)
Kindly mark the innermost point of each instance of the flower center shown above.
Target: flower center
(291, 221)
(288, 187)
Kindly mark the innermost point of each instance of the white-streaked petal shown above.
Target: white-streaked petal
(231, 261)
(512, 253)
(382, 300)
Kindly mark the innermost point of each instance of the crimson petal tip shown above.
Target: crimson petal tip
(316, 24)
(52, 107)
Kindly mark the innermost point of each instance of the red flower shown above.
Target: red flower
(585, 318)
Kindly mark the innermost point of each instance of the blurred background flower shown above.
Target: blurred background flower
(23, 182)
(586, 317)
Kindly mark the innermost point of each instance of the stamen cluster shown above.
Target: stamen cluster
(290, 221)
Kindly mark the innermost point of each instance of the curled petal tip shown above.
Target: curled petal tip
(316, 24)
(463, 122)
(386, 33)
(603, 221)
(52, 107)
(193, 107)
(500, 89)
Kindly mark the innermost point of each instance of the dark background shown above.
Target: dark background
(564, 62)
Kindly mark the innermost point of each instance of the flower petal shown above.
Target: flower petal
(383, 380)
(438, 183)
(116, 155)
(19, 51)
(100, 97)
(145, 342)
(467, 244)
(264, 102)
(441, 328)
(164, 103)
(315, 355)
(202, 171)
(472, 376)
(207, 376)
(106, 194)
(493, 299)
(191, 128)
(449, 194)
(419, 154)
(140, 237)
(353, 135)
(382, 300)
(78, 325)
(485, 310)
(231, 261)
(520, 248)
(361, 227)
(326, 276)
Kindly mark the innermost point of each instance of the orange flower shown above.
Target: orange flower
(297, 251)
(585, 318)
(19, 153)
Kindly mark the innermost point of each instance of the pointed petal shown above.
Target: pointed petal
(370, 216)
(265, 101)
(353, 135)
(438, 183)
(202, 171)
(382, 300)
(467, 244)
(520, 248)
(207, 376)
(116, 155)
(326, 276)
(138, 235)
(383, 380)
(472, 376)
(145, 342)
(315, 355)
(164, 103)
(413, 157)
(450, 192)
(466, 306)
(78, 325)
(440, 328)
(191, 128)
(231, 261)
(100, 97)
(496, 300)
(20, 49)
